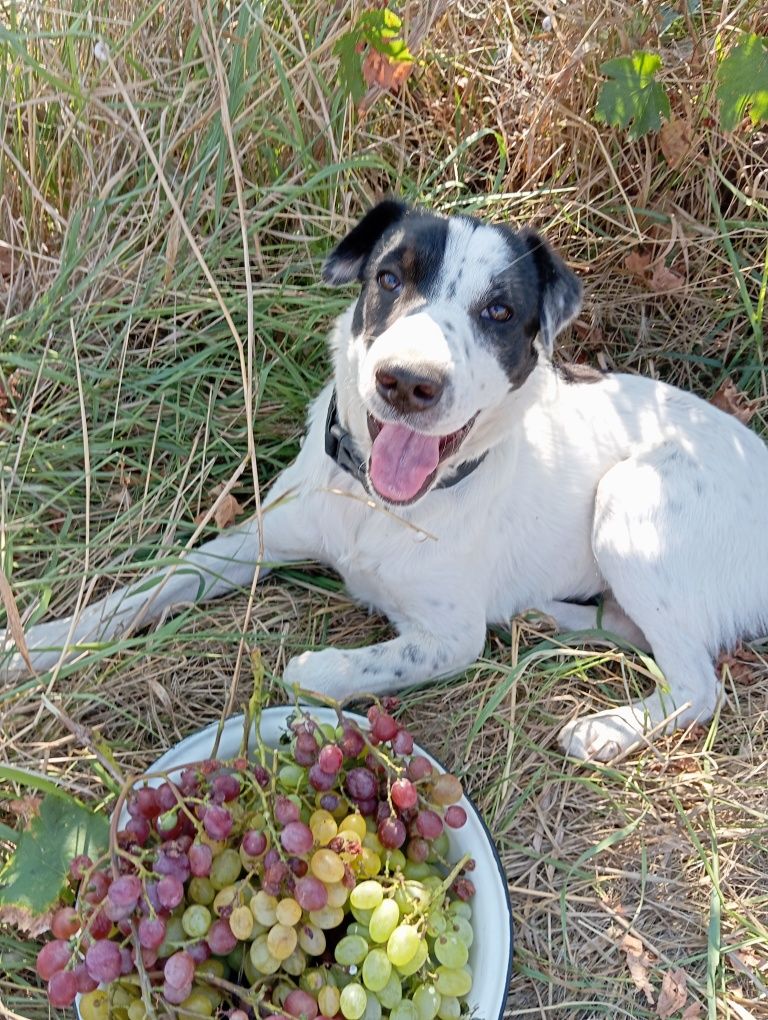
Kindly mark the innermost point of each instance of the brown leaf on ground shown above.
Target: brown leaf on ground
(378, 69)
(676, 139)
(638, 961)
(733, 401)
(692, 1011)
(673, 994)
(25, 808)
(663, 278)
(227, 511)
(743, 664)
(637, 263)
(6, 262)
(24, 921)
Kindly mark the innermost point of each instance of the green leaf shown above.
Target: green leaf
(382, 30)
(35, 876)
(742, 83)
(350, 72)
(632, 94)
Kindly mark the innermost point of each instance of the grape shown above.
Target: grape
(372, 1009)
(377, 969)
(220, 938)
(62, 989)
(196, 920)
(449, 1008)
(200, 857)
(464, 888)
(85, 982)
(328, 917)
(264, 908)
(176, 995)
(417, 850)
(196, 1004)
(165, 797)
(461, 908)
(261, 958)
(402, 742)
(418, 961)
(170, 892)
(323, 826)
(404, 1010)
(288, 911)
(330, 759)
(337, 894)
(320, 780)
(327, 866)
(330, 802)
(403, 944)
(151, 932)
(94, 1006)
(103, 961)
(450, 950)
(305, 749)
(312, 939)
(353, 1001)
(391, 833)
(392, 992)
(298, 867)
(100, 925)
(254, 843)
(282, 941)
(367, 808)
(384, 727)
(453, 982)
(299, 1003)
(384, 920)
(98, 884)
(367, 895)
(427, 1000)
(418, 767)
(463, 929)
(199, 951)
(53, 957)
(65, 922)
(179, 969)
(352, 741)
(354, 823)
(224, 788)
(328, 1000)
(285, 810)
(455, 817)
(217, 822)
(351, 949)
(200, 890)
(138, 830)
(225, 869)
(429, 824)
(145, 803)
(446, 789)
(361, 784)
(404, 794)
(297, 838)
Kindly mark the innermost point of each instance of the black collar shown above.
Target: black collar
(341, 448)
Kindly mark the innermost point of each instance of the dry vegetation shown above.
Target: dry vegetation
(135, 334)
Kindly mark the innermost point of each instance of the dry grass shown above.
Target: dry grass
(127, 188)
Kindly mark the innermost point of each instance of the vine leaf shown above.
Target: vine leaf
(632, 95)
(34, 878)
(742, 83)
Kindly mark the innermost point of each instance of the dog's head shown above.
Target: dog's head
(452, 316)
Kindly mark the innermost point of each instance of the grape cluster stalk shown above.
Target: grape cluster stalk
(312, 881)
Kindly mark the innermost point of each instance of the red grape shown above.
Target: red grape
(225, 787)
(254, 843)
(65, 922)
(145, 803)
(446, 789)
(100, 925)
(300, 1003)
(329, 802)
(464, 888)
(96, 890)
(404, 794)
(217, 822)
(138, 829)
(151, 932)
(305, 749)
(297, 838)
(199, 951)
(176, 995)
(85, 982)
(298, 867)
(166, 797)
(62, 989)
(179, 969)
(320, 780)
(367, 808)
(361, 784)
(170, 892)
(402, 742)
(310, 893)
(53, 957)
(418, 850)
(285, 810)
(103, 961)
(352, 741)
(126, 960)
(261, 775)
(391, 833)
(429, 824)
(219, 937)
(455, 816)
(79, 865)
(384, 727)
(330, 759)
(125, 891)
(418, 767)
(200, 859)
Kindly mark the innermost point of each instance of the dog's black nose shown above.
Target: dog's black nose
(409, 391)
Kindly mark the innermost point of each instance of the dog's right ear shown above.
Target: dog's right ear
(347, 261)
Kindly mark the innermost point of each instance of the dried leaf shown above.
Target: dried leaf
(227, 511)
(673, 994)
(734, 402)
(14, 620)
(6, 261)
(26, 808)
(664, 279)
(676, 140)
(26, 922)
(743, 665)
(378, 69)
(637, 263)
(692, 1011)
(638, 961)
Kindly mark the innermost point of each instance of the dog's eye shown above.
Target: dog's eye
(388, 281)
(497, 313)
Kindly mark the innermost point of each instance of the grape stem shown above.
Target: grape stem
(443, 888)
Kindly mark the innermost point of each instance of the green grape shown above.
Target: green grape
(196, 920)
(404, 1010)
(197, 1003)
(417, 962)
(403, 944)
(241, 923)
(224, 900)
(461, 908)
(366, 895)
(432, 882)
(384, 920)
(426, 999)
(236, 959)
(450, 950)
(372, 1008)
(174, 934)
(449, 1008)
(328, 731)
(392, 992)
(312, 980)
(351, 949)
(312, 939)
(262, 958)
(328, 917)
(394, 859)
(94, 1005)
(412, 895)
(138, 1011)
(417, 870)
(328, 999)
(200, 890)
(225, 869)
(353, 1001)
(355, 928)
(436, 923)
(296, 963)
(453, 982)
(290, 777)
(282, 940)
(377, 969)
(440, 846)
(251, 974)
(264, 908)
(361, 916)
(463, 929)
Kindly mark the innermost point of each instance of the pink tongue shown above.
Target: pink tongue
(401, 461)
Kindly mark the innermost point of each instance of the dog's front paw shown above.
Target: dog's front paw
(600, 737)
(328, 672)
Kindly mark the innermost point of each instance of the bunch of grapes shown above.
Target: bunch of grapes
(311, 883)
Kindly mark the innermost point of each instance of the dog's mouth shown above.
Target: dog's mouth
(404, 462)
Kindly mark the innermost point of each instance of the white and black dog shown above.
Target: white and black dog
(455, 478)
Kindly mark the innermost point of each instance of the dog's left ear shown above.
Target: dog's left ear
(559, 290)
(347, 261)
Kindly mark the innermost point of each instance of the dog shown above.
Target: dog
(455, 478)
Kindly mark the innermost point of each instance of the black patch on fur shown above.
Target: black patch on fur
(347, 261)
(559, 289)
(413, 654)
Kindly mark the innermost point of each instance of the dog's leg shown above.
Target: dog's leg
(648, 554)
(415, 656)
(612, 618)
(225, 563)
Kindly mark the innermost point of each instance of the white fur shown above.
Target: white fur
(625, 486)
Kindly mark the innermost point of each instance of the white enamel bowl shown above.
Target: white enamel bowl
(491, 954)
